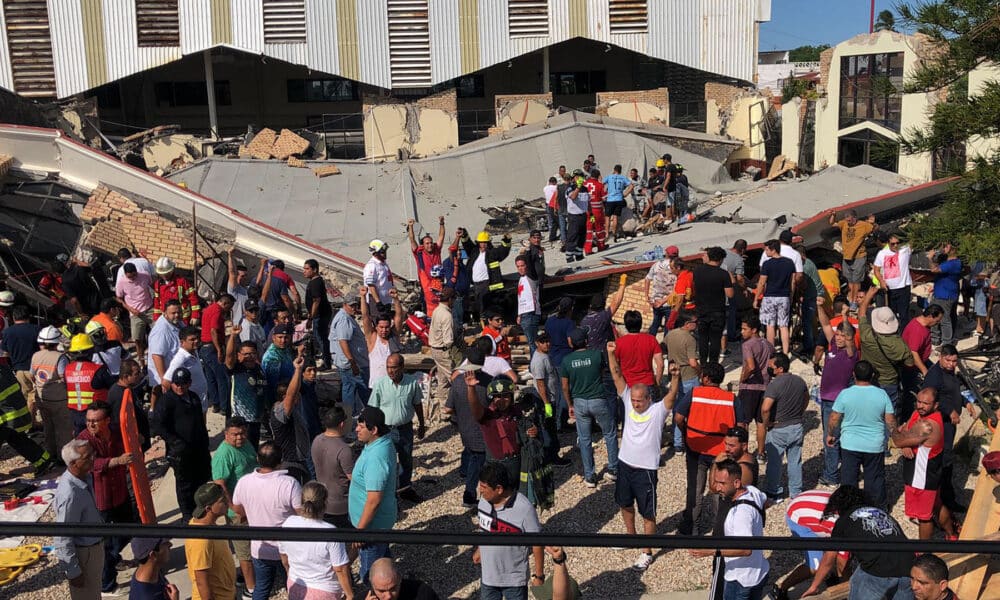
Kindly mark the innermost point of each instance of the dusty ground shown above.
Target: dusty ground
(602, 573)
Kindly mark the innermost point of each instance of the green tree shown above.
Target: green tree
(806, 53)
(967, 34)
(886, 21)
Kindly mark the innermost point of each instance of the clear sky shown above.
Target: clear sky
(811, 22)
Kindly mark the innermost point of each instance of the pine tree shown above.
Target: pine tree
(967, 33)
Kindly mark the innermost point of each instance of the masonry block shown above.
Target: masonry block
(515, 110)
(288, 144)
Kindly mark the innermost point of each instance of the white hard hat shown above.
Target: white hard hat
(377, 246)
(49, 335)
(164, 265)
(6, 298)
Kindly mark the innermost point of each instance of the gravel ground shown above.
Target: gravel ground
(602, 573)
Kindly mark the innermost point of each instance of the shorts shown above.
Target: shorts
(775, 311)
(636, 486)
(140, 324)
(241, 548)
(801, 531)
(921, 504)
(981, 303)
(614, 209)
(750, 402)
(299, 591)
(855, 270)
(662, 198)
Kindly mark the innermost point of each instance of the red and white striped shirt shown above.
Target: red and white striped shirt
(806, 510)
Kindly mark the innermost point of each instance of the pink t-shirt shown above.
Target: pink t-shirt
(137, 293)
(268, 499)
(918, 339)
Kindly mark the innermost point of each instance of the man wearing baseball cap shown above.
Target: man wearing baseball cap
(149, 580)
(991, 464)
(371, 499)
(209, 562)
(179, 420)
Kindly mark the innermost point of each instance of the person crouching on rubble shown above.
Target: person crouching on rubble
(484, 264)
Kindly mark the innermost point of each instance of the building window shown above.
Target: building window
(172, 94)
(321, 90)
(157, 23)
(528, 18)
(30, 48)
(109, 95)
(865, 147)
(577, 82)
(409, 43)
(628, 16)
(470, 86)
(284, 21)
(871, 89)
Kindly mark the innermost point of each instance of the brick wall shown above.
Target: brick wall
(119, 222)
(635, 295)
(446, 100)
(502, 100)
(657, 97)
(723, 94)
(825, 58)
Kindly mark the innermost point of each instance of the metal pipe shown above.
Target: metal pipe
(545, 70)
(213, 117)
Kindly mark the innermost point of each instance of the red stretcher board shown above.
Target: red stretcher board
(137, 468)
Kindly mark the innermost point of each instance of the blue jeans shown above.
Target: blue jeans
(529, 323)
(944, 332)
(321, 333)
(458, 311)
(472, 463)
(873, 464)
(865, 586)
(215, 376)
(562, 227)
(267, 573)
(354, 390)
(587, 411)
(402, 439)
(892, 390)
(781, 442)
(367, 555)
(831, 456)
(687, 386)
(489, 592)
(734, 591)
(552, 217)
(660, 316)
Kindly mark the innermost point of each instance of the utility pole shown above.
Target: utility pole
(871, 19)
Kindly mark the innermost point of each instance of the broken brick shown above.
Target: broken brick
(260, 146)
(296, 162)
(325, 171)
(288, 144)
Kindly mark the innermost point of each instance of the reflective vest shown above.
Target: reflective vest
(13, 407)
(711, 416)
(49, 385)
(80, 392)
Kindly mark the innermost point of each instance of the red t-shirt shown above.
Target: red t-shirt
(426, 260)
(212, 318)
(635, 352)
(918, 339)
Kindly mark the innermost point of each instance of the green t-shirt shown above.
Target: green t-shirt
(886, 353)
(583, 369)
(230, 463)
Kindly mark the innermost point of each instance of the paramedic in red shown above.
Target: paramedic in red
(922, 442)
(171, 286)
(427, 254)
(596, 212)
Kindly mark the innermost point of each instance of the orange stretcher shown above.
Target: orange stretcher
(137, 468)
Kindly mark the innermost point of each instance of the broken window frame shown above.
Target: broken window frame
(870, 90)
(187, 94)
(875, 149)
(314, 90)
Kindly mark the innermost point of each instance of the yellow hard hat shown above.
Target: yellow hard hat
(660, 163)
(483, 237)
(80, 343)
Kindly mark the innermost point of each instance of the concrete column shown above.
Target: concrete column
(213, 117)
(545, 70)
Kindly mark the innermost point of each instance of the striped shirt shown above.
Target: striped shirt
(806, 510)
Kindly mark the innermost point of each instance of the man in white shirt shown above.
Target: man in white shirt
(378, 277)
(187, 357)
(163, 343)
(529, 309)
(577, 203)
(892, 272)
(141, 263)
(745, 570)
(639, 456)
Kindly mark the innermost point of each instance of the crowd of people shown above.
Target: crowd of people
(254, 351)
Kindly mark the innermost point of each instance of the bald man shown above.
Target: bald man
(399, 396)
(387, 583)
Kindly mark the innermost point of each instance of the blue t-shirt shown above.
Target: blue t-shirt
(946, 282)
(863, 427)
(461, 284)
(779, 272)
(140, 590)
(558, 329)
(374, 471)
(614, 185)
(20, 340)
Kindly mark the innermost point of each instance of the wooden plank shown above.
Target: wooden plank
(981, 520)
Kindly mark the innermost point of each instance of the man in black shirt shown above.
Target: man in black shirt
(943, 378)
(319, 308)
(290, 432)
(130, 377)
(880, 574)
(83, 294)
(179, 421)
(712, 285)
(387, 583)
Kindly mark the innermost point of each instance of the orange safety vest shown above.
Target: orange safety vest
(80, 392)
(711, 416)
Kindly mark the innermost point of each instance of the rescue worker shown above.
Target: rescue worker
(15, 421)
(106, 352)
(484, 266)
(706, 418)
(170, 286)
(48, 369)
(86, 380)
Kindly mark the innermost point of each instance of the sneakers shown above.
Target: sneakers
(590, 481)
(642, 563)
(114, 592)
(612, 475)
(247, 594)
(777, 593)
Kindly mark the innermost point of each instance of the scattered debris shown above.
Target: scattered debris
(326, 171)
(296, 162)
(287, 144)
(519, 216)
(146, 134)
(780, 166)
(261, 144)
(169, 152)
(6, 161)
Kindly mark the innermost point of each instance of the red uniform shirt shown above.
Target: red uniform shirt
(213, 318)
(176, 288)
